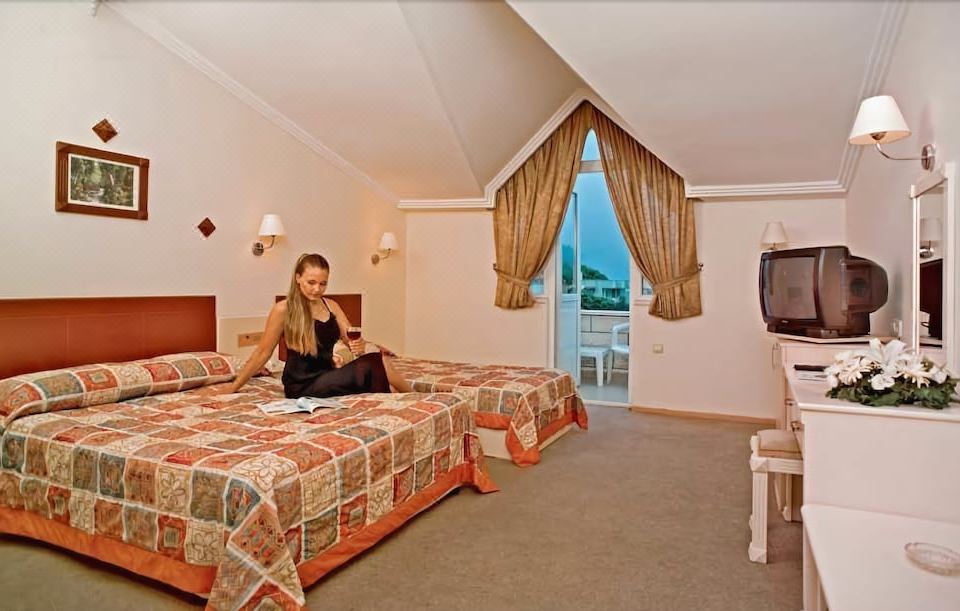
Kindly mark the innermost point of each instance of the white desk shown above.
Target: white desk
(901, 460)
(861, 564)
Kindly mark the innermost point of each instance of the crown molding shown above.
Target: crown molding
(445, 204)
(190, 55)
(823, 187)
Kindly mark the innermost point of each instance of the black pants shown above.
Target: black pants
(365, 374)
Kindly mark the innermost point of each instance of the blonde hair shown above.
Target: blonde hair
(298, 323)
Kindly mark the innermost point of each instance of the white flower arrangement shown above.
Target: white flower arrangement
(888, 374)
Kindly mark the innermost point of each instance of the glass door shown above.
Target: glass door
(567, 332)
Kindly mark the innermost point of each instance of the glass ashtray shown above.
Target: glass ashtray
(934, 558)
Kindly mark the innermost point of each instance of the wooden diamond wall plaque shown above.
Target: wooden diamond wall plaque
(105, 130)
(206, 227)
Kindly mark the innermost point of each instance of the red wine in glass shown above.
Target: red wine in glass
(353, 333)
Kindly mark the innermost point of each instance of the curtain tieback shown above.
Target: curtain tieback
(669, 284)
(524, 284)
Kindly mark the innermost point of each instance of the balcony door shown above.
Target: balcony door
(567, 332)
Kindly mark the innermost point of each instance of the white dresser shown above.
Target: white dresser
(902, 461)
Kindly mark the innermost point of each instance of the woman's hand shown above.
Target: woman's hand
(337, 361)
(356, 346)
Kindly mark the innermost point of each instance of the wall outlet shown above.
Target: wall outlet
(896, 327)
(658, 348)
(249, 339)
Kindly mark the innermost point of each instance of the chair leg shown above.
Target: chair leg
(758, 520)
(600, 363)
(788, 497)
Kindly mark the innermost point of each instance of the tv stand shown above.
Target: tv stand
(859, 339)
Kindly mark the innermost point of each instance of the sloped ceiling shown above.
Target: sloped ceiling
(730, 93)
(426, 100)
(431, 100)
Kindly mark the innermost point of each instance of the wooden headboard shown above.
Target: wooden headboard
(41, 334)
(350, 303)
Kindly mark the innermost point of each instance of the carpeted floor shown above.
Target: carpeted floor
(641, 512)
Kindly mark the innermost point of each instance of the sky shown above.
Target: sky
(602, 245)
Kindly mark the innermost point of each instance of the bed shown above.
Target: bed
(145, 465)
(518, 410)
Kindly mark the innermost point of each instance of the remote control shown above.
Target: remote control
(800, 367)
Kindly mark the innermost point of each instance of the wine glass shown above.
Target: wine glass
(353, 334)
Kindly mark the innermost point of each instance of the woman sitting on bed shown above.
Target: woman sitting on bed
(311, 326)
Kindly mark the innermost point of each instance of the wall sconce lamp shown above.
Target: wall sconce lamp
(271, 226)
(388, 244)
(930, 232)
(879, 121)
(774, 234)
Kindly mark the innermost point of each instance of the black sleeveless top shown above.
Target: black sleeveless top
(302, 369)
(315, 376)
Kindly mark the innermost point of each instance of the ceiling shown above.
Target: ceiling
(423, 99)
(431, 100)
(728, 93)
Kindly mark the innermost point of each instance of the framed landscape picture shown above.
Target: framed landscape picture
(91, 181)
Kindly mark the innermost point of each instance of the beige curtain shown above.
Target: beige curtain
(530, 208)
(656, 219)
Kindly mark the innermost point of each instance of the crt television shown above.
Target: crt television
(822, 292)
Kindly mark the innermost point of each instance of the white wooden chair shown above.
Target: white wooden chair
(616, 347)
(772, 451)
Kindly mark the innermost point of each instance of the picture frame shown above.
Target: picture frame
(92, 181)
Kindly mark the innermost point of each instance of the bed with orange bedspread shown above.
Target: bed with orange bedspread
(530, 404)
(147, 465)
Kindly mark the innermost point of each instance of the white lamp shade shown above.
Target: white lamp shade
(271, 225)
(774, 233)
(930, 230)
(879, 114)
(388, 241)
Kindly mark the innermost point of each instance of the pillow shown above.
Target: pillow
(86, 385)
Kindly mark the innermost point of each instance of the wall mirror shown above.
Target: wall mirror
(933, 314)
(930, 266)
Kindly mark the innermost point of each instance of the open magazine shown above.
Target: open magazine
(305, 405)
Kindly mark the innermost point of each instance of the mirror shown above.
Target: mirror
(930, 303)
(933, 323)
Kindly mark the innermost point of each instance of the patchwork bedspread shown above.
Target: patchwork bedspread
(530, 403)
(264, 505)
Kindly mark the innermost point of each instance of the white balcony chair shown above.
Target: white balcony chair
(599, 356)
(616, 347)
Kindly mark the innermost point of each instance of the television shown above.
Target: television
(822, 292)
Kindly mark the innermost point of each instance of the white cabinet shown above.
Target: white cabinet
(896, 461)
